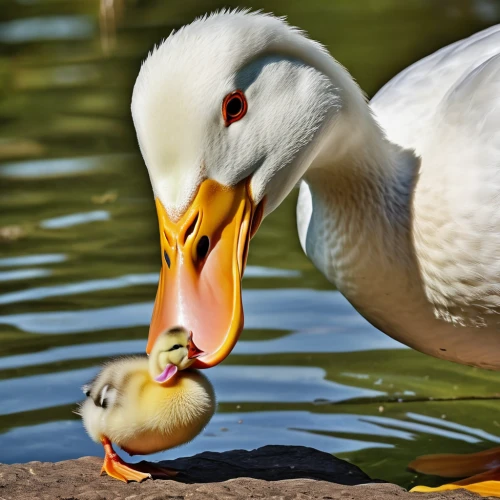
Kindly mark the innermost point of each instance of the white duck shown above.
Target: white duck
(399, 201)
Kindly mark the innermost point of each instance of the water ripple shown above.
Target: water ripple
(63, 440)
(33, 260)
(77, 288)
(456, 427)
(35, 169)
(269, 272)
(319, 313)
(23, 274)
(427, 429)
(73, 352)
(75, 219)
(115, 283)
(269, 384)
(303, 342)
(228, 431)
(47, 28)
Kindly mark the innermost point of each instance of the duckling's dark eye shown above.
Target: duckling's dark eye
(234, 107)
(175, 347)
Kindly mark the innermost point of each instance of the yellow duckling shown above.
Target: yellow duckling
(148, 405)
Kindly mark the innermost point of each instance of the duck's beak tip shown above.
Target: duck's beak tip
(193, 351)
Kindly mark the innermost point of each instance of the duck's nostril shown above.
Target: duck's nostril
(190, 229)
(202, 247)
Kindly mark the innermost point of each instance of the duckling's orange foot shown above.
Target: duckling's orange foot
(115, 467)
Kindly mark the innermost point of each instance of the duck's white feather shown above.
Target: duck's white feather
(457, 235)
(446, 299)
(447, 107)
(406, 106)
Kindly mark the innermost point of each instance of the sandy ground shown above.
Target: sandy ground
(263, 473)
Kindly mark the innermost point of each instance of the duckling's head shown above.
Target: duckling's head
(173, 350)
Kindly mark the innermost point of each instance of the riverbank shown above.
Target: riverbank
(277, 472)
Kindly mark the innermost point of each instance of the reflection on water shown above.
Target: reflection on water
(53, 167)
(80, 255)
(35, 293)
(52, 441)
(47, 28)
(265, 384)
(32, 260)
(74, 219)
(23, 274)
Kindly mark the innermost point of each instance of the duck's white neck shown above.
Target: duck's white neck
(354, 208)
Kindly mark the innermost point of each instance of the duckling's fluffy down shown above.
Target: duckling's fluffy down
(141, 416)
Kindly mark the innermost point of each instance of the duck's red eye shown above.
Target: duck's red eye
(234, 107)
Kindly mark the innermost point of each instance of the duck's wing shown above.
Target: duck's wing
(406, 106)
(447, 107)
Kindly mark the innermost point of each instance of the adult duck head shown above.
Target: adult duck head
(230, 111)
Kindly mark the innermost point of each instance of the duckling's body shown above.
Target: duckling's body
(142, 416)
(133, 404)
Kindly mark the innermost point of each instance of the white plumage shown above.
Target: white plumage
(447, 107)
(399, 201)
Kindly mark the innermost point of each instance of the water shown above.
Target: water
(80, 255)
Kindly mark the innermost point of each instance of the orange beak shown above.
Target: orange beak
(203, 258)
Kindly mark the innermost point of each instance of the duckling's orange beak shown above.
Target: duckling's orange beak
(204, 255)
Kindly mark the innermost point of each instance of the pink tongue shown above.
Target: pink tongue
(167, 374)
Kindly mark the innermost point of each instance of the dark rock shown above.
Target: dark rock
(271, 463)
